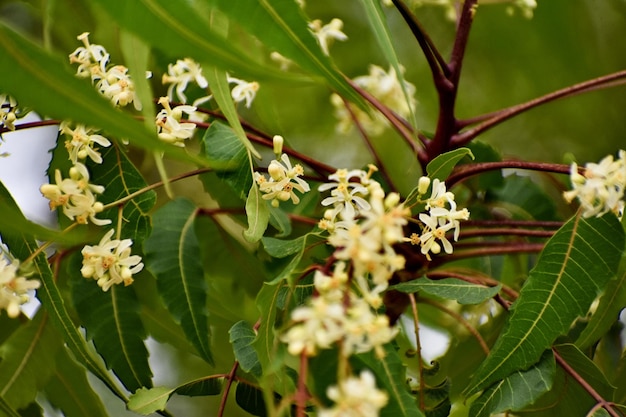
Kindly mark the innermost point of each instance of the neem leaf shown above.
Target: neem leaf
(242, 336)
(146, 401)
(442, 165)
(450, 289)
(258, 214)
(575, 265)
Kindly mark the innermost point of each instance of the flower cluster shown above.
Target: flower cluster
(14, 287)
(110, 262)
(355, 397)
(442, 217)
(75, 195)
(601, 188)
(180, 74)
(82, 142)
(9, 112)
(385, 87)
(112, 81)
(284, 179)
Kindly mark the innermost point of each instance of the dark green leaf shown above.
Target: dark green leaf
(518, 390)
(6, 409)
(121, 179)
(587, 369)
(173, 256)
(279, 248)
(28, 361)
(450, 289)
(201, 387)
(280, 221)
(242, 336)
(221, 144)
(70, 391)
(57, 93)
(265, 343)
(250, 399)
(524, 199)
(575, 265)
(442, 166)
(112, 320)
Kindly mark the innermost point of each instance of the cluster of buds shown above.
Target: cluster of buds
(386, 88)
(601, 188)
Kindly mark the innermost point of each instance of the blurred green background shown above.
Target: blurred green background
(509, 60)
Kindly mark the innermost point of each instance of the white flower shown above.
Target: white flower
(83, 141)
(168, 124)
(327, 33)
(356, 397)
(14, 288)
(179, 76)
(76, 196)
(284, 179)
(435, 230)
(110, 262)
(92, 59)
(117, 86)
(243, 90)
(601, 188)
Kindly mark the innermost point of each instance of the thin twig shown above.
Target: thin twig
(418, 347)
(229, 382)
(463, 172)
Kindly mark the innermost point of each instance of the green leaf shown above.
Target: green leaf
(242, 336)
(524, 199)
(280, 221)
(70, 391)
(121, 180)
(518, 390)
(250, 399)
(221, 144)
(6, 409)
(442, 166)
(587, 369)
(390, 374)
(258, 214)
(265, 343)
(173, 256)
(112, 320)
(380, 29)
(607, 312)
(450, 289)
(57, 93)
(146, 401)
(279, 248)
(175, 27)
(281, 26)
(575, 265)
(28, 361)
(203, 386)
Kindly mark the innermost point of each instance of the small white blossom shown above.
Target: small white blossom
(13, 287)
(601, 189)
(347, 193)
(118, 87)
(327, 33)
(435, 230)
(243, 90)
(179, 76)
(169, 127)
(82, 142)
(356, 397)
(110, 262)
(92, 59)
(283, 180)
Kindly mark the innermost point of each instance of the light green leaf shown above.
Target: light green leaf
(70, 391)
(390, 373)
(112, 320)
(450, 289)
(173, 256)
(607, 312)
(265, 343)
(146, 401)
(518, 390)
(279, 248)
(28, 361)
(380, 29)
(57, 93)
(575, 265)
(222, 145)
(281, 26)
(442, 166)
(242, 336)
(258, 214)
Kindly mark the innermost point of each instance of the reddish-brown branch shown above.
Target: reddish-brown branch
(229, 382)
(504, 231)
(463, 172)
(495, 118)
(302, 394)
(479, 280)
(507, 249)
(513, 223)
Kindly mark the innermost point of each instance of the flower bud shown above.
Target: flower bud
(422, 185)
(278, 144)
